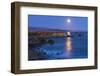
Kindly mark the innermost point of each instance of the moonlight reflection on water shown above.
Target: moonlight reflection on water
(70, 47)
(68, 44)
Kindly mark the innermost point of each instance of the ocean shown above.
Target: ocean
(73, 47)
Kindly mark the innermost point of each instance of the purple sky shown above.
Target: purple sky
(72, 23)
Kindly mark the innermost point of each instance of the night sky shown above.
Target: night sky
(72, 23)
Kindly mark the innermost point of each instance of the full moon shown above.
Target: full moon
(68, 20)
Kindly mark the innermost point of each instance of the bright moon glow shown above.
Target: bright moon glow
(68, 20)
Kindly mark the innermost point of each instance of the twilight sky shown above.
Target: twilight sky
(72, 23)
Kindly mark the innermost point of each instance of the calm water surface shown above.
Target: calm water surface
(63, 48)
